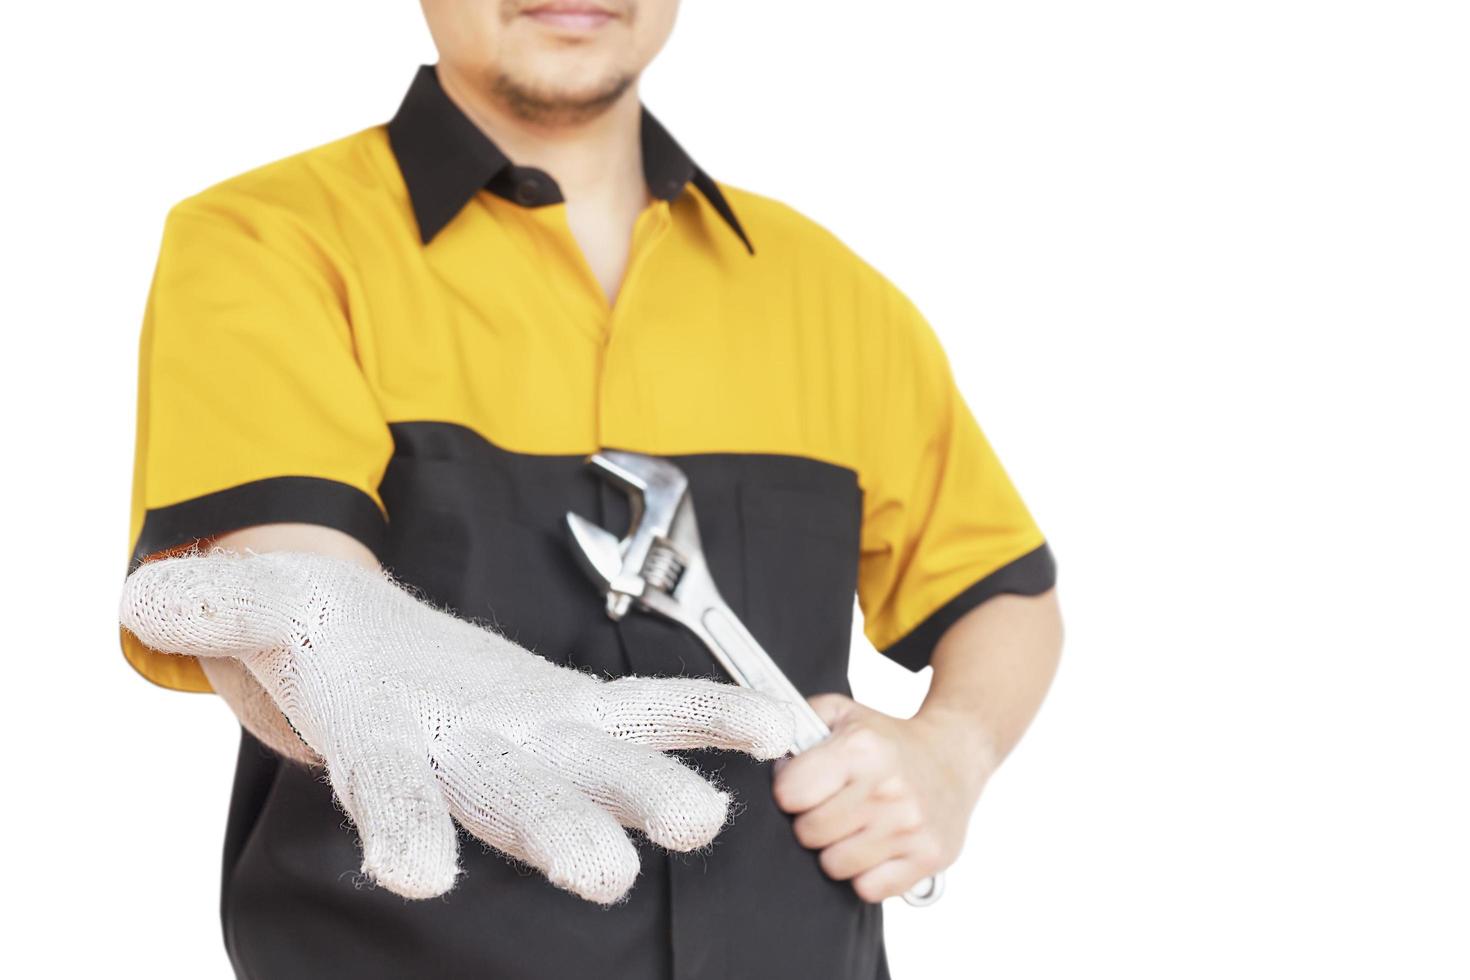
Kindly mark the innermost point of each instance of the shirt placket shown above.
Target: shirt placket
(619, 396)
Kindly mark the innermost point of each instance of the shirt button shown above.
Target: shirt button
(528, 191)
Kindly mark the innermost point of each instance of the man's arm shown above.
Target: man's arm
(991, 671)
(229, 678)
(887, 801)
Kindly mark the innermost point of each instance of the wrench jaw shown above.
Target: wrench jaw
(660, 482)
(600, 554)
(657, 491)
(656, 488)
(597, 549)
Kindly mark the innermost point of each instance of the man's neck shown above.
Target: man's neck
(598, 159)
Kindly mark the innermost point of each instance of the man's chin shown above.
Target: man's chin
(554, 102)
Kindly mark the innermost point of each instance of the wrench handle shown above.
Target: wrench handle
(750, 666)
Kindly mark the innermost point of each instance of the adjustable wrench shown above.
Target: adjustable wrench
(660, 566)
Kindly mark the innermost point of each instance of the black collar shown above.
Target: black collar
(446, 159)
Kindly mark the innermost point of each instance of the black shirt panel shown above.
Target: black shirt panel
(480, 530)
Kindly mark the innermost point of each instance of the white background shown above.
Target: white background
(1202, 271)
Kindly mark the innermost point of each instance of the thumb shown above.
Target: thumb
(210, 605)
(833, 708)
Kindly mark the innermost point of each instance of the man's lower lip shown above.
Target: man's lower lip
(570, 20)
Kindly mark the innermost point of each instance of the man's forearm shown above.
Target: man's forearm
(992, 669)
(297, 537)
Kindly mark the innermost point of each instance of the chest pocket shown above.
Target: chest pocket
(800, 562)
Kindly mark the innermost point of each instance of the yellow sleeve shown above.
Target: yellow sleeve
(252, 408)
(944, 528)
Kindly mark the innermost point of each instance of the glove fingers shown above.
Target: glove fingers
(503, 796)
(645, 789)
(218, 604)
(384, 781)
(690, 713)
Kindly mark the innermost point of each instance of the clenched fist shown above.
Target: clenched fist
(885, 800)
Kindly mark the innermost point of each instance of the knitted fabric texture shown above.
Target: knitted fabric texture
(421, 717)
(255, 709)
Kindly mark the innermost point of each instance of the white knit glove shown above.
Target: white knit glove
(420, 716)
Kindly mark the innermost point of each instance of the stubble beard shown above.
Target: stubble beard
(552, 108)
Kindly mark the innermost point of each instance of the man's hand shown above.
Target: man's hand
(886, 801)
(420, 717)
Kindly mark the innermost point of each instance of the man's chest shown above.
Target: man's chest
(510, 334)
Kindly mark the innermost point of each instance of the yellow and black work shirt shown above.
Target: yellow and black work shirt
(396, 335)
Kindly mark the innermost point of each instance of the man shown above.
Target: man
(396, 351)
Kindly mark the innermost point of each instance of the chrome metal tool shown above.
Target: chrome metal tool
(659, 565)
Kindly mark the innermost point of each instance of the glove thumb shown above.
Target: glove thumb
(209, 605)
